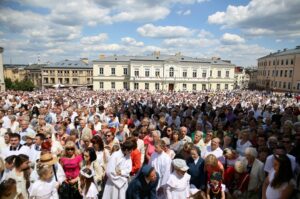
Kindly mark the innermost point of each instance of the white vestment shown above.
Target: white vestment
(43, 190)
(178, 187)
(116, 185)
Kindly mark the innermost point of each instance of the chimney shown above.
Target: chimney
(102, 56)
(84, 60)
(156, 53)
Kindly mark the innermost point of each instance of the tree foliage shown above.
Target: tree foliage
(24, 85)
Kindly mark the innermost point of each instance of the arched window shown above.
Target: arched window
(171, 72)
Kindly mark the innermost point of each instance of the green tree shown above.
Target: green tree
(24, 85)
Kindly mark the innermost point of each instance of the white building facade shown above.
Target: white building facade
(162, 72)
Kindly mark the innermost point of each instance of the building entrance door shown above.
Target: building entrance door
(171, 87)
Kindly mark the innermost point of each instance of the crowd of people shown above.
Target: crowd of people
(145, 145)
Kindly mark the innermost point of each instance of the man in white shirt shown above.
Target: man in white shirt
(185, 138)
(6, 121)
(25, 130)
(15, 148)
(214, 149)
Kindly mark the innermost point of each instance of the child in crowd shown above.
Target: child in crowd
(87, 185)
(44, 187)
(215, 188)
(8, 190)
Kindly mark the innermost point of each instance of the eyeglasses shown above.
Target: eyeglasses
(48, 138)
(107, 135)
(70, 149)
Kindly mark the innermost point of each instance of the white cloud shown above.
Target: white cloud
(267, 17)
(149, 30)
(94, 39)
(228, 38)
(131, 41)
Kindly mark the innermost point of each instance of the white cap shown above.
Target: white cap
(180, 164)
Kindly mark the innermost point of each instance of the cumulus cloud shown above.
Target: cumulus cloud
(94, 39)
(149, 30)
(268, 17)
(228, 38)
(131, 41)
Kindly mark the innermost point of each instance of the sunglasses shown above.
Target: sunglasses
(70, 149)
(107, 135)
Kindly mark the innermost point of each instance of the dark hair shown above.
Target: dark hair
(6, 185)
(134, 142)
(285, 173)
(74, 132)
(92, 153)
(98, 140)
(86, 182)
(15, 135)
(41, 136)
(10, 159)
(19, 160)
(195, 148)
(127, 145)
(135, 133)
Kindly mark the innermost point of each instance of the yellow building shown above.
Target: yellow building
(280, 71)
(162, 72)
(67, 73)
(15, 72)
(34, 73)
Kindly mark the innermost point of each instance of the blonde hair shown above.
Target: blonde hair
(211, 160)
(70, 144)
(2, 165)
(42, 169)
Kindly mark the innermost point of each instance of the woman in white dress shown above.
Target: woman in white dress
(44, 187)
(87, 185)
(21, 174)
(279, 184)
(178, 185)
(118, 170)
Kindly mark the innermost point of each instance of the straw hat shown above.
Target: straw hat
(48, 159)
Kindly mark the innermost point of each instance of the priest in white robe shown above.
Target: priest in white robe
(162, 164)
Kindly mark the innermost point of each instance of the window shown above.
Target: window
(184, 73)
(113, 85)
(113, 71)
(45, 80)
(204, 73)
(100, 71)
(281, 62)
(279, 85)
(277, 62)
(194, 73)
(101, 86)
(136, 72)
(210, 73)
(75, 81)
(184, 87)
(156, 86)
(67, 81)
(157, 74)
(146, 86)
(269, 63)
(218, 86)
(203, 87)
(171, 72)
(284, 84)
(147, 72)
(125, 71)
(289, 85)
(292, 62)
(52, 80)
(291, 73)
(136, 86)
(275, 84)
(194, 87)
(227, 73)
(298, 86)
(273, 73)
(281, 73)
(287, 62)
(125, 85)
(226, 86)
(273, 62)
(277, 73)
(285, 73)
(268, 73)
(219, 73)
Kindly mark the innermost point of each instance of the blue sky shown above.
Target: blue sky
(240, 31)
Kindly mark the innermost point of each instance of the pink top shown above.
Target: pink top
(71, 166)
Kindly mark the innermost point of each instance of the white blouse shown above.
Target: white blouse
(43, 190)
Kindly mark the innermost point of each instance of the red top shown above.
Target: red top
(210, 170)
(71, 166)
(136, 161)
(235, 181)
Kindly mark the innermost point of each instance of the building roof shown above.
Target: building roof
(35, 66)
(15, 66)
(159, 57)
(69, 64)
(283, 52)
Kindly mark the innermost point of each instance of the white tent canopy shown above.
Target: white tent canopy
(58, 85)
